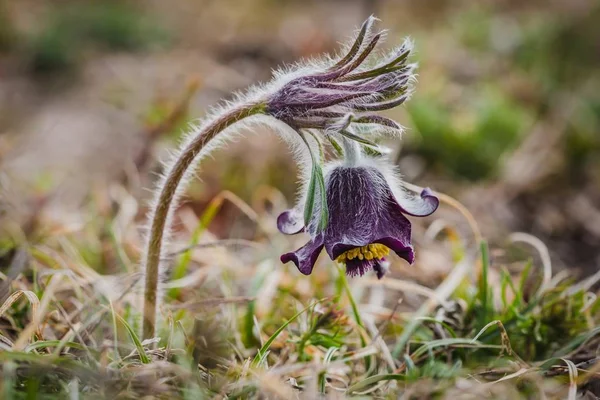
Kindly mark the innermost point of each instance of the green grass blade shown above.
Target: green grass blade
(353, 305)
(375, 379)
(326, 360)
(262, 351)
(355, 313)
(503, 335)
(136, 340)
(257, 282)
(44, 344)
(115, 330)
(454, 342)
(575, 343)
(484, 288)
(9, 372)
(523, 279)
(442, 323)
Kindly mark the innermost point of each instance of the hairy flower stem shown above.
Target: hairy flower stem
(168, 191)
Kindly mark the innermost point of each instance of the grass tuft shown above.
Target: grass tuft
(240, 325)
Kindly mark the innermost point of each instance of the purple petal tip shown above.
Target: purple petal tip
(290, 223)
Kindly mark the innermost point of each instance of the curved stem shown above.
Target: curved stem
(164, 203)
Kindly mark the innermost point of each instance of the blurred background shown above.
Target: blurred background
(506, 115)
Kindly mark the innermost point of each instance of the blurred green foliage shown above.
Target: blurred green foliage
(582, 144)
(559, 52)
(72, 30)
(562, 57)
(468, 143)
(7, 31)
(528, 62)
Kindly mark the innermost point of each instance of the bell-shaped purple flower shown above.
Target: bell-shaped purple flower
(366, 221)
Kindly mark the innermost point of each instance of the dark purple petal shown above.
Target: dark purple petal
(420, 207)
(325, 100)
(328, 114)
(310, 123)
(384, 105)
(389, 84)
(355, 63)
(382, 69)
(400, 248)
(364, 31)
(337, 86)
(377, 119)
(306, 256)
(362, 211)
(290, 222)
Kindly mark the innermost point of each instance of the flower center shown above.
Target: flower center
(369, 252)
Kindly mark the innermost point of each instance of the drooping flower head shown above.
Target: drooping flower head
(360, 217)
(366, 219)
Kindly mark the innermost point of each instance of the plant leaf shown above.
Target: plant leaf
(374, 379)
(136, 340)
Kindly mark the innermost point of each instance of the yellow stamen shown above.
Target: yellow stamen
(369, 252)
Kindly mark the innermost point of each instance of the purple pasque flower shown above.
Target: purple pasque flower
(330, 95)
(367, 209)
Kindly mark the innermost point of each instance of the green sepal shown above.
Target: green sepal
(316, 178)
(324, 210)
(310, 197)
(357, 138)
